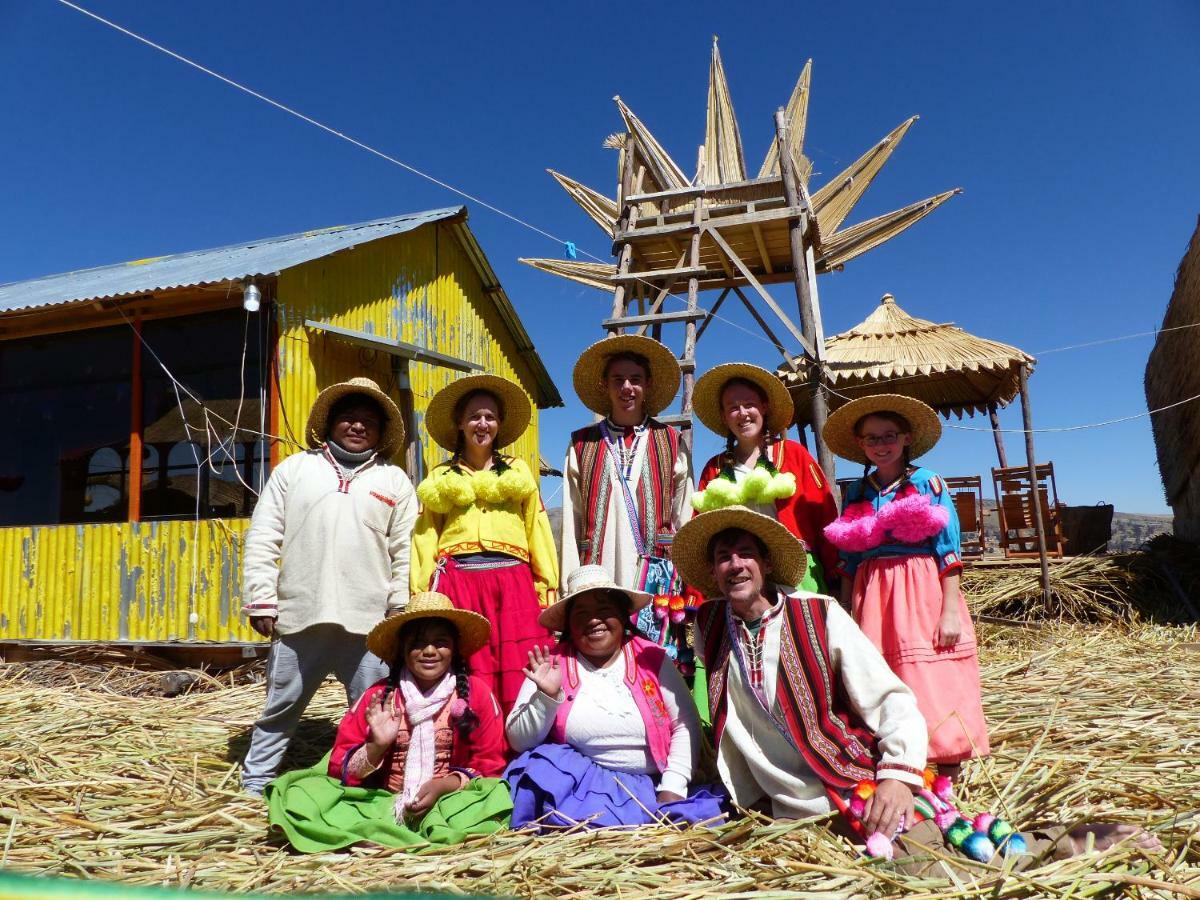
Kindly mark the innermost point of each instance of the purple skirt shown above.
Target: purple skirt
(555, 786)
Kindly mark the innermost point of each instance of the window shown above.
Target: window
(67, 400)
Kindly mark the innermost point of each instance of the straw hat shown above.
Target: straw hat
(582, 580)
(473, 629)
(839, 427)
(706, 399)
(317, 429)
(515, 412)
(689, 550)
(664, 372)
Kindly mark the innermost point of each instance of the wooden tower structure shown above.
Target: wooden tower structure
(724, 231)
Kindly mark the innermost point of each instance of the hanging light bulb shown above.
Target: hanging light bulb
(251, 296)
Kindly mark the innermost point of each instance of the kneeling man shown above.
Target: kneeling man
(803, 705)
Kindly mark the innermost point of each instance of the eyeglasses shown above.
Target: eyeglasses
(883, 440)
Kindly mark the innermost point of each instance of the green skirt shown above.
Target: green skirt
(318, 813)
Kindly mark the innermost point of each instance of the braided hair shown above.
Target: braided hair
(462, 688)
(499, 463)
(465, 723)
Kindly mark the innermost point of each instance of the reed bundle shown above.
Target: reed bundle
(1087, 724)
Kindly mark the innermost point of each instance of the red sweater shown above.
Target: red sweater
(479, 754)
(806, 513)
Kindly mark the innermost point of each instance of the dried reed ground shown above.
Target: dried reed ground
(1087, 723)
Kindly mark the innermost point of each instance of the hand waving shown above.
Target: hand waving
(544, 672)
(383, 721)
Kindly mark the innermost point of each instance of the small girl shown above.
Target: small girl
(417, 757)
(760, 469)
(900, 565)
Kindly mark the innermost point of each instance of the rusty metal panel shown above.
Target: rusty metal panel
(420, 287)
(140, 581)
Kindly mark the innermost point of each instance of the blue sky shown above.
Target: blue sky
(1071, 127)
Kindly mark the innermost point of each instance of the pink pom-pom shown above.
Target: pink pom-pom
(678, 615)
(943, 787)
(914, 518)
(879, 846)
(661, 612)
(858, 807)
(856, 530)
(945, 818)
(983, 821)
(458, 708)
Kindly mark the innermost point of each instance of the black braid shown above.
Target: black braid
(499, 463)
(906, 478)
(462, 686)
(460, 444)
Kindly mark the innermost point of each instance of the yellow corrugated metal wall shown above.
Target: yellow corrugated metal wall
(134, 581)
(418, 287)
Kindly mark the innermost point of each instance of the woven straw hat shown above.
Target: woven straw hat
(839, 427)
(515, 412)
(317, 430)
(689, 550)
(473, 629)
(706, 399)
(582, 580)
(664, 372)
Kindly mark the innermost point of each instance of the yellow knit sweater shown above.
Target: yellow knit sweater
(481, 512)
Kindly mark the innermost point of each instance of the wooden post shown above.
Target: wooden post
(689, 340)
(414, 461)
(135, 426)
(628, 217)
(1035, 495)
(994, 417)
(806, 299)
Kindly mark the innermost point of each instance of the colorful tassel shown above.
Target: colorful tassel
(983, 821)
(943, 788)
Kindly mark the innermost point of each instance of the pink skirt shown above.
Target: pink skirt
(502, 592)
(897, 603)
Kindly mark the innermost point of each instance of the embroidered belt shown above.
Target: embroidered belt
(497, 561)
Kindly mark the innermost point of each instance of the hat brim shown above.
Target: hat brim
(517, 410)
(689, 549)
(473, 631)
(554, 616)
(706, 398)
(839, 433)
(317, 429)
(664, 373)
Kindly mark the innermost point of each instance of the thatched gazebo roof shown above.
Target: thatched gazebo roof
(952, 370)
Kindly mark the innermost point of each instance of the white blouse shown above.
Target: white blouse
(606, 726)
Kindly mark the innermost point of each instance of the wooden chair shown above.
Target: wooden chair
(1014, 505)
(967, 493)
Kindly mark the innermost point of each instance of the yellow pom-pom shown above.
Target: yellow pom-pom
(516, 485)
(458, 490)
(782, 486)
(487, 487)
(755, 485)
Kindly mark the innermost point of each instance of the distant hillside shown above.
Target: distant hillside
(1129, 530)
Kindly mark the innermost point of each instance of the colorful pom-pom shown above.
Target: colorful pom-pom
(943, 788)
(864, 789)
(923, 808)
(781, 486)
(913, 518)
(960, 829)
(878, 846)
(458, 708)
(944, 819)
(983, 821)
(1013, 845)
(977, 846)
(927, 776)
(858, 806)
(998, 830)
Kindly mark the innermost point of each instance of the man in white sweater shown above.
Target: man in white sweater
(326, 557)
(802, 703)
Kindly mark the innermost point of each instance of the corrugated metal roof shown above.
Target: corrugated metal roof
(259, 257)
